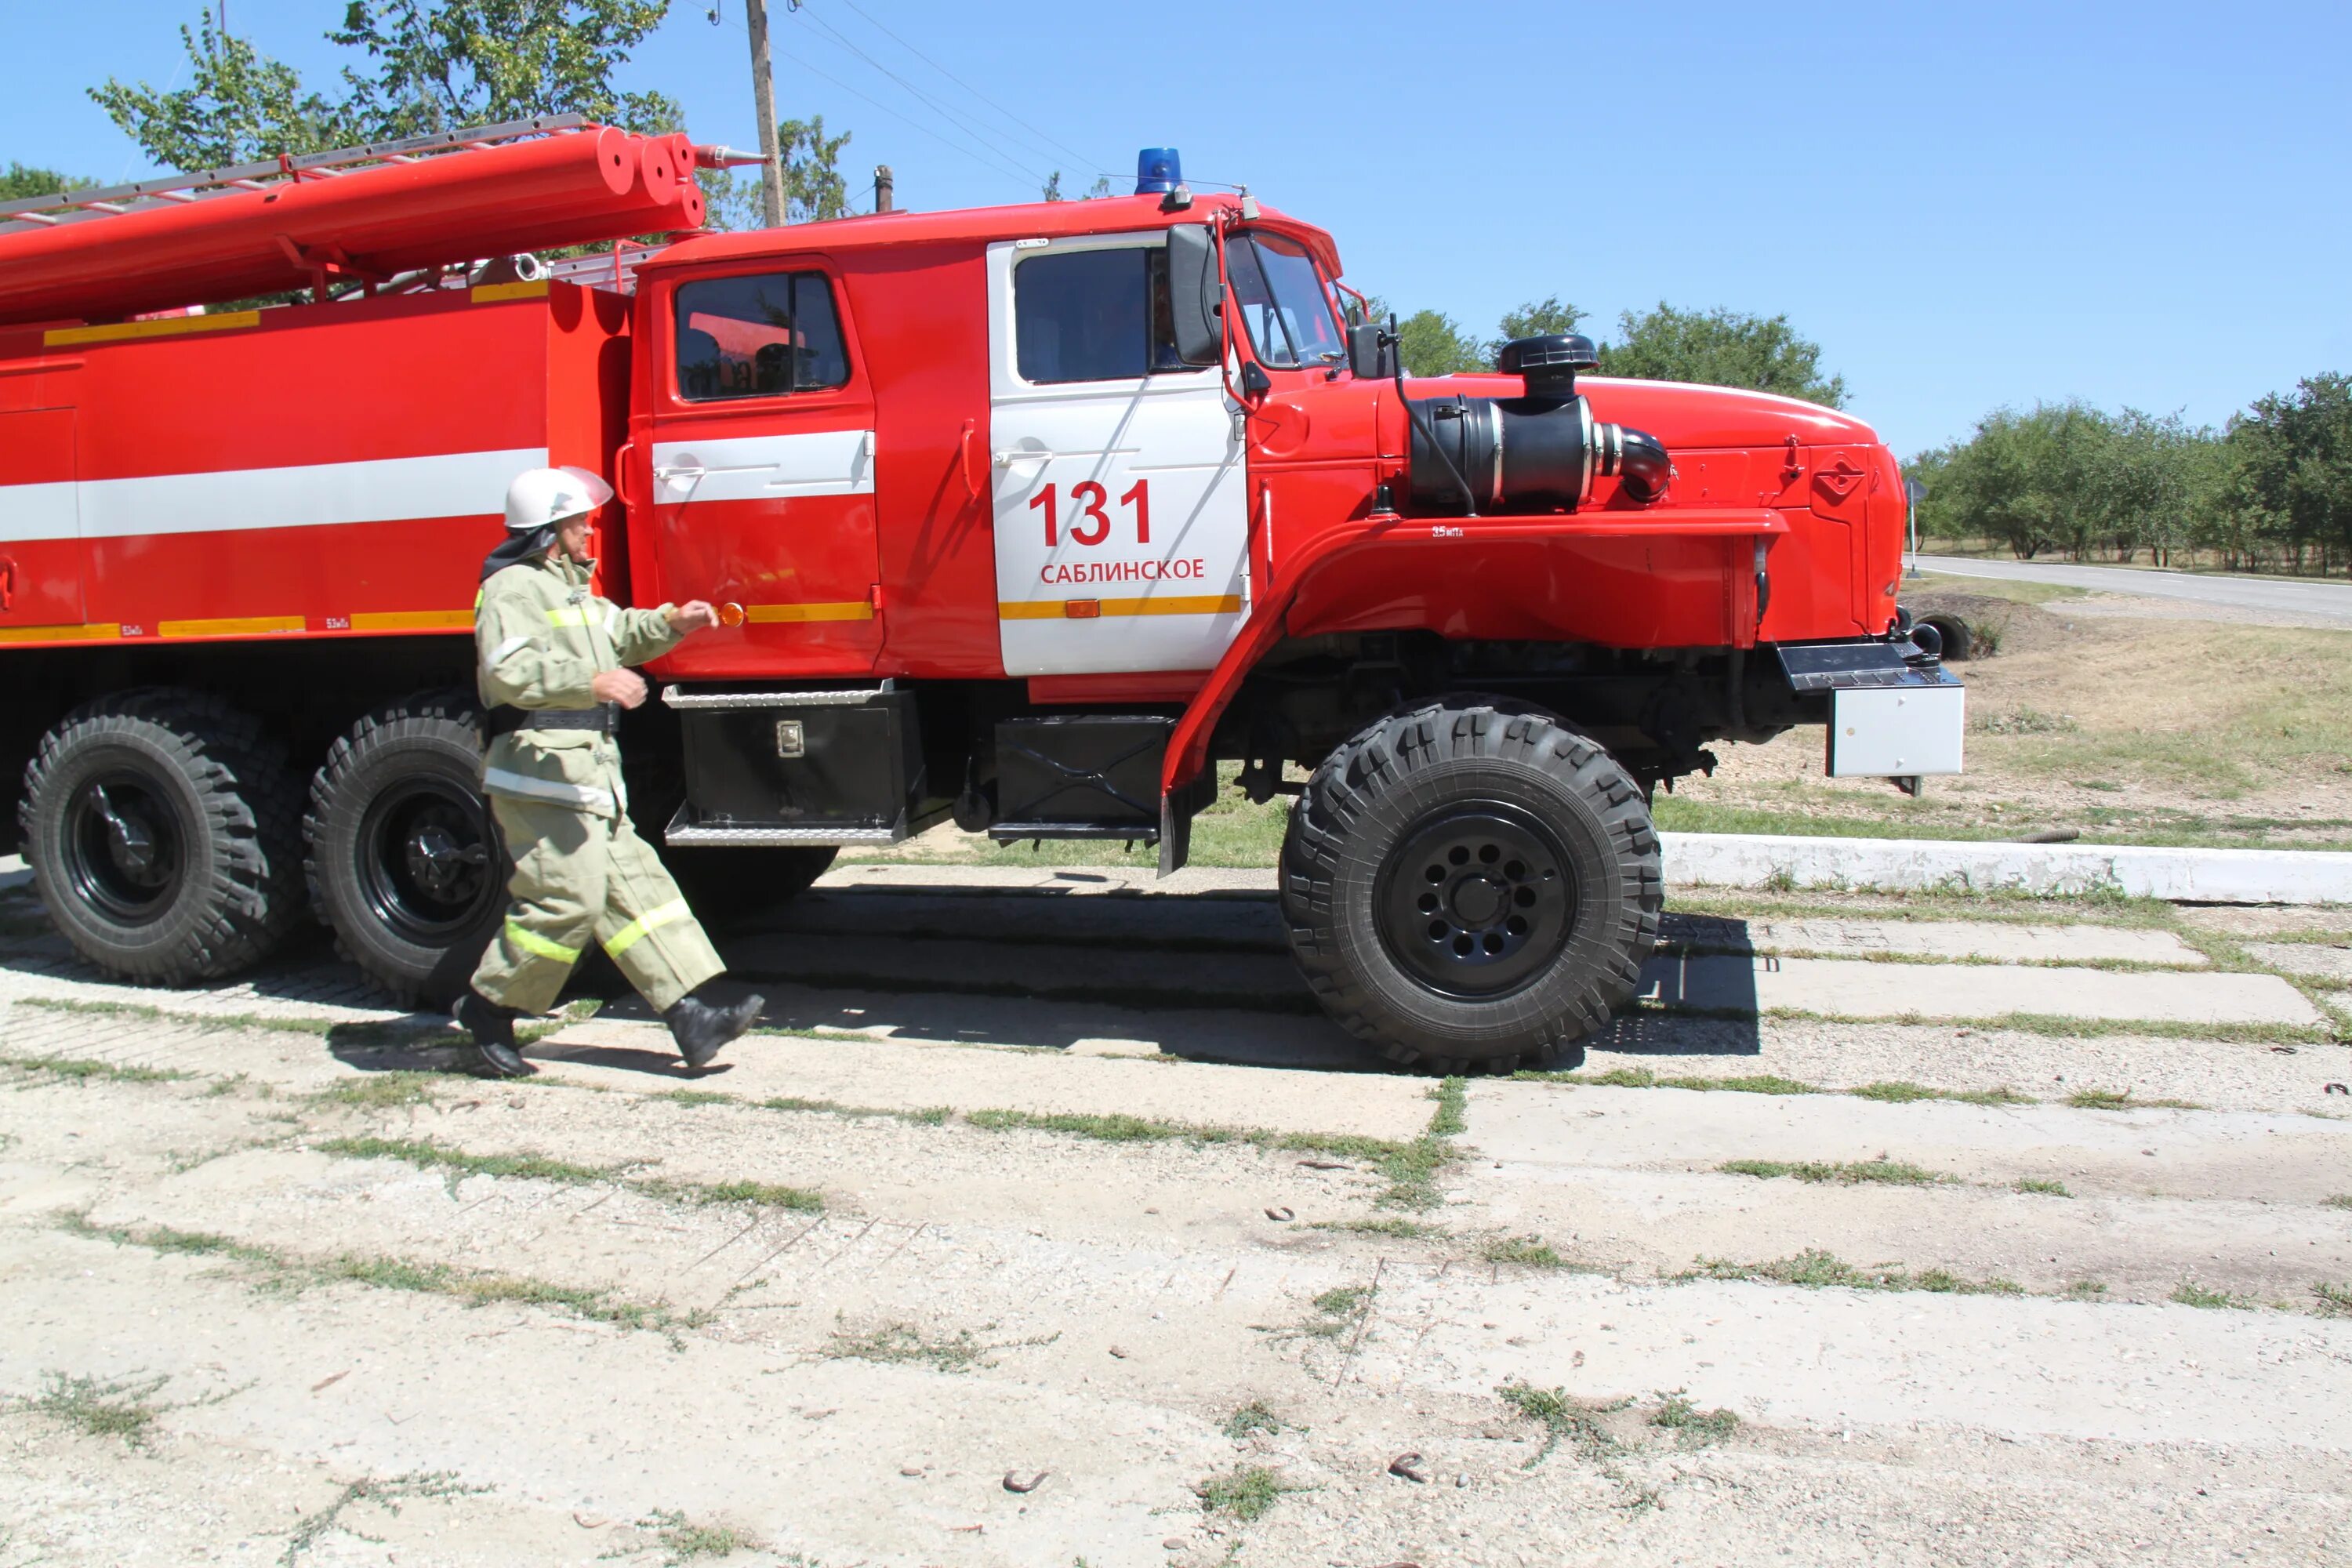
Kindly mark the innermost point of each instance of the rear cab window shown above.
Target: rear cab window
(765, 334)
(1098, 314)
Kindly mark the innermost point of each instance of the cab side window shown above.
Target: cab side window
(1093, 315)
(762, 335)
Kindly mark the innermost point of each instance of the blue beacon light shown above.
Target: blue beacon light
(1158, 170)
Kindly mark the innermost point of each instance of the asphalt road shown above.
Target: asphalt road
(2327, 601)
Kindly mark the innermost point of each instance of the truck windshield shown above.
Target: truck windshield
(1282, 302)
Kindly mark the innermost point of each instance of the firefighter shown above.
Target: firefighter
(553, 679)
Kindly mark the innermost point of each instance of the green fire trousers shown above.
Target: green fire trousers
(578, 875)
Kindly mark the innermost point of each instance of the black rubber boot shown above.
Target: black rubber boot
(492, 1027)
(700, 1028)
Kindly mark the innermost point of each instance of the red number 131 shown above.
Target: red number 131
(1090, 501)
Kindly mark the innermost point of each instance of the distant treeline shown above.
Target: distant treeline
(2274, 487)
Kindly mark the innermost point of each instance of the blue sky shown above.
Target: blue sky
(1966, 205)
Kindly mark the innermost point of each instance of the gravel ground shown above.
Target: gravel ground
(283, 1290)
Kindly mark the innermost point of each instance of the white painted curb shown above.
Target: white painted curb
(2184, 876)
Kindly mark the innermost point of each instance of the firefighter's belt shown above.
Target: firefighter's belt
(605, 719)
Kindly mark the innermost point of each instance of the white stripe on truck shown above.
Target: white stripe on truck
(381, 489)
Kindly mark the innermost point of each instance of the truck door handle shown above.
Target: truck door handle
(681, 471)
(964, 457)
(7, 584)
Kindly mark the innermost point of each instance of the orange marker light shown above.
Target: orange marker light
(730, 615)
(1081, 609)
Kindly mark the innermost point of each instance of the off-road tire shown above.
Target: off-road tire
(222, 790)
(425, 749)
(1375, 792)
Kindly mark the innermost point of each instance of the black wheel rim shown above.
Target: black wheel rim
(1477, 899)
(126, 846)
(428, 861)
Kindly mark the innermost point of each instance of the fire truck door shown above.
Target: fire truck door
(762, 476)
(40, 526)
(1122, 530)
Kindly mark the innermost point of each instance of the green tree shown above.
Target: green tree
(239, 107)
(1536, 318)
(431, 65)
(441, 64)
(21, 180)
(1433, 344)
(1052, 191)
(814, 187)
(1721, 348)
(2293, 478)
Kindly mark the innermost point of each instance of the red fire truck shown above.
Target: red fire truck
(1024, 516)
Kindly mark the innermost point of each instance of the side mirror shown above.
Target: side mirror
(1194, 295)
(1365, 355)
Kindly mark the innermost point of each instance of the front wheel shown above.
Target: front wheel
(1472, 886)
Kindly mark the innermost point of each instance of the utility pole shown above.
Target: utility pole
(764, 104)
(884, 187)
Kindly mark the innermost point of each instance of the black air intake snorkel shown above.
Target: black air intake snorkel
(1541, 452)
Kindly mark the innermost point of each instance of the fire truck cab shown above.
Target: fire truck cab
(1030, 517)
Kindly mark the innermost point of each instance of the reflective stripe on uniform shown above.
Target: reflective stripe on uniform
(498, 656)
(499, 781)
(575, 615)
(534, 943)
(621, 941)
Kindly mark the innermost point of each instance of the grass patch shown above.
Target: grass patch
(2085, 1290)
(1245, 1492)
(1564, 1418)
(101, 1407)
(1526, 1251)
(2189, 1293)
(1815, 1269)
(475, 1289)
(766, 1194)
(1694, 1427)
(2334, 1300)
(80, 1070)
(1339, 1311)
(1642, 1077)
(390, 1493)
(209, 1021)
(2337, 1200)
(1387, 1225)
(682, 1540)
(380, 1090)
(1411, 1168)
(1892, 1093)
(903, 1343)
(2047, 1189)
(1853, 1173)
(2110, 1100)
(430, 1156)
(458, 1163)
(1252, 1417)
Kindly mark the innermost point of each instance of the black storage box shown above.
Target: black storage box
(1080, 776)
(818, 767)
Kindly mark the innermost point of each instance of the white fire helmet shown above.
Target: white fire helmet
(541, 497)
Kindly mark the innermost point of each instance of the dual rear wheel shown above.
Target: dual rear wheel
(168, 838)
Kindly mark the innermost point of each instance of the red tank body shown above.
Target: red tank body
(1001, 505)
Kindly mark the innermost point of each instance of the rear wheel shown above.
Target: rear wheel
(404, 860)
(163, 829)
(1472, 886)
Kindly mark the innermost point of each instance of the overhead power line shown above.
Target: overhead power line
(994, 164)
(980, 135)
(1085, 163)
